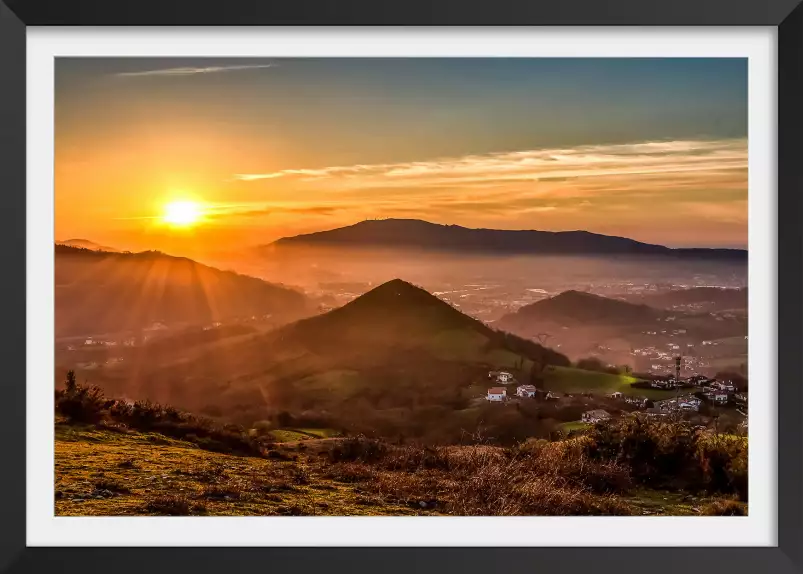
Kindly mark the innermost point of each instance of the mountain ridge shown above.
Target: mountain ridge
(418, 234)
(103, 292)
(87, 244)
(578, 307)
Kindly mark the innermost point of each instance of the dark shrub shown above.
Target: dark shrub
(120, 410)
(79, 403)
(412, 458)
(724, 508)
(357, 448)
(672, 455)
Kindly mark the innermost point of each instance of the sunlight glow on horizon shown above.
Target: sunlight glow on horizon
(182, 213)
(208, 154)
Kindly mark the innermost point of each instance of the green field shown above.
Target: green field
(573, 426)
(294, 435)
(572, 380)
(469, 346)
(319, 433)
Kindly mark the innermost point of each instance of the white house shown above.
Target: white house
(504, 378)
(525, 391)
(719, 397)
(689, 404)
(724, 386)
(496, 394)
(728, 386)
(616, 395)
(595, 416)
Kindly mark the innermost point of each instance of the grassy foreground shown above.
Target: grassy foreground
(102, 472)
(105, 471)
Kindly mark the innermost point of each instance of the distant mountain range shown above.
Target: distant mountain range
(87, 244)
(100, 292)
(422, 235)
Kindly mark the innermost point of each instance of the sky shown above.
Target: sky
(652, 149)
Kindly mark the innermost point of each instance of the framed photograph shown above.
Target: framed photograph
(432, 287)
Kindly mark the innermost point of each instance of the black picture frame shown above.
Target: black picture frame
(786, 15)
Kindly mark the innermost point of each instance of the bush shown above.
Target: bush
(672, 455)
(79, 403)
(724, 508)
(86, 404)
(504, 491)
(357, 448)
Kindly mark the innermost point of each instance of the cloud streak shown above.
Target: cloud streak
(192, 71)
(696, 185)
(549, 166)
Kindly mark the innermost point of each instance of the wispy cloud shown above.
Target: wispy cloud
(701, 183)
(547, 166)
(191, 71)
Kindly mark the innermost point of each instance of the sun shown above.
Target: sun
(184, 213)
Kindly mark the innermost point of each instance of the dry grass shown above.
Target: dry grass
(724, 508)
(355, 476)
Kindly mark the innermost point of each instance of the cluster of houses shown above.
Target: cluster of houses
(595, 416)
(670, 382)
(683, 403)
(499, 394)
(718, 392)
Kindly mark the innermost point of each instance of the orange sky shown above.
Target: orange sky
(267, 159)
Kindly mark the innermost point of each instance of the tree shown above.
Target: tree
(70, 384)
(81, 403)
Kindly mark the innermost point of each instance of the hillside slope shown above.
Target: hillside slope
(572, 308)
(99, 292)
(596, 316)
(393, 358)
